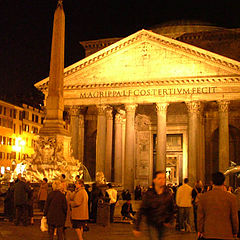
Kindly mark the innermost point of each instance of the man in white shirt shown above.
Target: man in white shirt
(184, 203)
(112, 193)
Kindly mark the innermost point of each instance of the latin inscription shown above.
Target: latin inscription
(148, 92)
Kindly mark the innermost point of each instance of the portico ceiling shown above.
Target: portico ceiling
(147, 67)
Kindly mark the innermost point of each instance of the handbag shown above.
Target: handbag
(44, 225)
(86, 227)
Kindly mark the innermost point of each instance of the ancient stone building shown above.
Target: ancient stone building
(164, 98)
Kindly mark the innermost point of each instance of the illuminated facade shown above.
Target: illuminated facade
(152, 101)
(18, 127)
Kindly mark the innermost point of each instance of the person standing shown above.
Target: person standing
(158, 207)
(56, 211)
(217, 215)
(112, 194)
(79, 206)
(184, 203)
(237, 194)
(42, 194)
(21, 191)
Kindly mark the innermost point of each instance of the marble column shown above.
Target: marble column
(74, 112)
(118, 149)
(101, 139)
(161, 136)
(129, 174)
(201, 148)
(193, 140)
(223, 135)
(81, 137)
(109, 136)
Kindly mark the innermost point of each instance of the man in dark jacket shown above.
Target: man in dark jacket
(56, 211)
(217, 214)
(158, 207)
(21, 191)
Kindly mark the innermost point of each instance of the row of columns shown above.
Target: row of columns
(124, 140)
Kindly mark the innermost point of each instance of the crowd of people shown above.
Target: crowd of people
(215, 208)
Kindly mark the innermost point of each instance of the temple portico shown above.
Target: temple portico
(148, 103)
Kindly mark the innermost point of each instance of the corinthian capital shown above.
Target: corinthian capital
(101, 109)
(223, 105)
(74, 110)
(162, 107)
(109, 114)
(193, 107)
(130, 107)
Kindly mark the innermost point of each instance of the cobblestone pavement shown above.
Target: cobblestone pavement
(114, 231)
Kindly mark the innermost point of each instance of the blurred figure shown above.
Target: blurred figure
(42, 194)
(56, 211)
(112, 194)
(21, 191)
(158, 208)
(237, 194)
(96, 194)
(184, 203)
(79, 206)
(63, 184)
(217, 212)
(127, 211)
(30, 204)
(196, 194)
(138, 193)
(126, 195)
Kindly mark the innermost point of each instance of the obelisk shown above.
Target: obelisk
(54, 123)
(53, 127)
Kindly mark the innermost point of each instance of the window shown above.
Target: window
(14, 128)
(8, 155)
(14, 113)
(4, 140)
(11, 112)
(33, 117)
(5, 111)
(0, 122)
(0, 109)
(26, 127)
(10, 141)
(20, 129)
(34, 129)
(42, 119)
(1, 140)
(14, 142)
(36, 118)
(2, 155)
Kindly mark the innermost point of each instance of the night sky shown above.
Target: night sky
(26, 29)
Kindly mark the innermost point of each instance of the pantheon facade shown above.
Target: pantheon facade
(167, 98)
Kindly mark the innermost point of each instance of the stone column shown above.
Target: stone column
(223, 135)
(129, 174)
(118, 149)
(193, 140)
(101, 139)
(161, 136)
(74, 112)
(81, 137)
(109, 136)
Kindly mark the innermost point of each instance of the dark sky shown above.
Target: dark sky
(26, 28)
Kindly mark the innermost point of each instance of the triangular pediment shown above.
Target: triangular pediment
(147, 56)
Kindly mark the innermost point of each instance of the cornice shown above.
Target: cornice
(164, 82)
(147, 35)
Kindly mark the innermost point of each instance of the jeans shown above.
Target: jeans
(21, 214)
(60, 232)
(112, 208)
(184, 216)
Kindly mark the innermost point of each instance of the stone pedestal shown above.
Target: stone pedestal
(109, 136)
(193, 140)
(101, 139)
(161, 136)
(223, 135)
(129, 173)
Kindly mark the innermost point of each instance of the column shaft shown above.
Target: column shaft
(118, 149)
(101, 139)
(161, 136)
(223, 135)
(129, 174)
(109, 136)
(81, 138)
(193, 140)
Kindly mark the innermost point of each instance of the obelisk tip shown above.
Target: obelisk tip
(60, 2)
